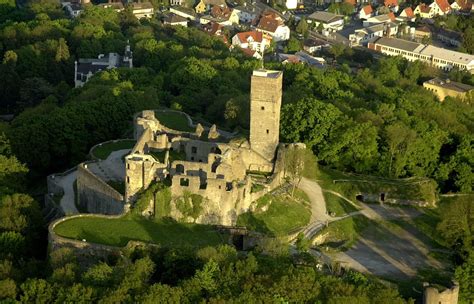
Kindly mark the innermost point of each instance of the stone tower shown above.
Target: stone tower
(265, 103)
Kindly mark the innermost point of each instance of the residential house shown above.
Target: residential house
(173, 19)
(215, 29)
(302, 58)
(385, 18)
(444, 88)
(364, 35)
(407, 14)
(116, 6)
(464, 7)
(86, 68)
(73, 9)
(206, 5)
(440, 7)
(392, 5)
(422, 33)
(366, 12)
(327, 20)
(177, 2)
(247, 12)
(272, 24)
(221, 15)
(312, 45)
(438, 57)
(253, 43)
(289, 58)
(142, 9)
(424, 11)
(185, 12)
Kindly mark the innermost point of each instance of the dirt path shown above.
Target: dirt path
(318, 204)
(389, 249)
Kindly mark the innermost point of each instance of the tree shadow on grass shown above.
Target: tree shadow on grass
(253, 223)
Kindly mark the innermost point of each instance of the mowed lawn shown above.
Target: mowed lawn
(103, 151)
(174, 120)
(117, 232)
(283, 216)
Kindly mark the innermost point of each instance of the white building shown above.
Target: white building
(440, 7)
(272, 24)
(366, 12)
(254, 41)
(328, 20)
(438, 57)
(364, 35)
(86, 68)
(142, 9)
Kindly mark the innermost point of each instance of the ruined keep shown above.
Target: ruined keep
(432, 294)
(209, 163)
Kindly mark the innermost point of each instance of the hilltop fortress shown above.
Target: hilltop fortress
(208, 163)
(227, 172)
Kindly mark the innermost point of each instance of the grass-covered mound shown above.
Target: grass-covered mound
(117, 232)
(337, 206)
(103, 151)
(283, 216)
(344, 233)
(174, 120)
(351, 185)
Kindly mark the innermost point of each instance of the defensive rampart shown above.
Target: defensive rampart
(95, 195)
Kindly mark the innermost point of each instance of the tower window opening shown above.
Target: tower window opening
(268, 131)
(263, 108)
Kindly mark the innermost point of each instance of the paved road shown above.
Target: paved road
(67, 201)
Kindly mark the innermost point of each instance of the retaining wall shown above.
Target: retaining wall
(95, 195)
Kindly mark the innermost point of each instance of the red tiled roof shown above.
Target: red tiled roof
(465, 5)
(221, 12)
(212, 27)
(256, 36)
(409, 12)
(390, 3)
(248, 52)
(351, 2)
(443, 5)
(391, 15)
(293, 59)
(367, 9)
(424, 8)
(269, 22)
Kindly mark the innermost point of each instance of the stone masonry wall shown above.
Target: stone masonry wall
(265, 103)
(95, 195)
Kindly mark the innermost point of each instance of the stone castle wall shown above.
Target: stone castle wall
(432, 295)
(95, 195)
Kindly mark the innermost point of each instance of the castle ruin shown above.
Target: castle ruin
(208, 163)
(214, 164)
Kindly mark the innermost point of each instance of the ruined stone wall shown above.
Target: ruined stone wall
(265, 103)
(95, 195)
(140, 172)
(431, 295)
